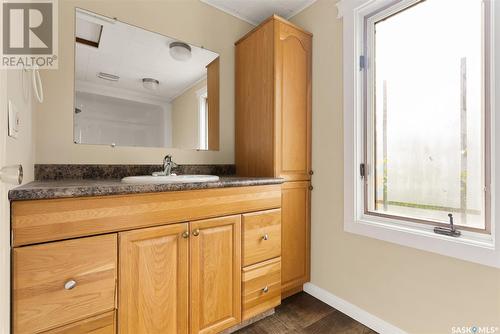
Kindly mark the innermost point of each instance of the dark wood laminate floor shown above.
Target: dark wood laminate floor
(304, 314)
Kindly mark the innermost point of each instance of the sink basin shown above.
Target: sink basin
(170, 179)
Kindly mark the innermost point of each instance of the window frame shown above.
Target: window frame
(202, 96)
(472, 246)
(369, 98)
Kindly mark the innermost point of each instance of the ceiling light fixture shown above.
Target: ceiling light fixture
(150, 83)
(180, 51)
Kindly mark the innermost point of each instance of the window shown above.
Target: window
(425, 113)
(419, 126)
(203, 118)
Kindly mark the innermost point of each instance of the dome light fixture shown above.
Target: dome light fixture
(180, 51)
(150, 83)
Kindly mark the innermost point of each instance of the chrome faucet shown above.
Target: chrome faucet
(168, 164)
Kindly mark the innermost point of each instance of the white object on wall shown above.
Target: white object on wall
(13, 120)
(36, 80)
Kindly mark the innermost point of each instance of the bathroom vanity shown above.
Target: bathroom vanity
(157, 252)
(108, 257)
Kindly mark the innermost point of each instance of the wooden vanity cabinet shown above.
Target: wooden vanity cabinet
(273, 129)
(176, 267)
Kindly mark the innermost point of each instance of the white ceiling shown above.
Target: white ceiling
(132, 54)
(256, 11)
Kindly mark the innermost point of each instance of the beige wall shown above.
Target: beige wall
(21, 149)
(185, 109)
(188, 20)
(12, 152)
(417, 291)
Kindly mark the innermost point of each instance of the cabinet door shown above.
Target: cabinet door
(215, 274)
(295, 235)
(153, 295)
(293, 103)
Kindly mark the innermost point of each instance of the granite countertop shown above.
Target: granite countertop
(84, 188)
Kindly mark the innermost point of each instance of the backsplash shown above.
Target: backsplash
(46, 172)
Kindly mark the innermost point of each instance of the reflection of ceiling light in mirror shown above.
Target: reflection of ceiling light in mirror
(150, 83)
(180, 51)
(107, 76)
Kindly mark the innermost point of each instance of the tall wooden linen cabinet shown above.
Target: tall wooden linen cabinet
(273, 130)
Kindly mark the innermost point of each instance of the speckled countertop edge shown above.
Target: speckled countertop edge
(86, 188)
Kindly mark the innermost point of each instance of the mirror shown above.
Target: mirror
(134, 87)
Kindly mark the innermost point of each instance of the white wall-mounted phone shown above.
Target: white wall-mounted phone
(13, 120)
(36, 81)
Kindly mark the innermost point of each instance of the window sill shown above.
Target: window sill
(474, 247)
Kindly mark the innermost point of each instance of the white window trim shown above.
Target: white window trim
(474, 247)
(201, 95)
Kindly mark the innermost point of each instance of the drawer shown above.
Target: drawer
(261, 236)
(43, 296)
(101, 324)
(261, 287)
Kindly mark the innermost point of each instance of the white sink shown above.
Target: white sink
(170, 179)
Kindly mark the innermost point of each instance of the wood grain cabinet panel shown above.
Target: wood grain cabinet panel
(295, 231)
(261, 236)
(54, 219)
(254, 103)
(100, 324)
(154, 278)
(293, 103)
(62, 282)
(261, 287)
(215, 274)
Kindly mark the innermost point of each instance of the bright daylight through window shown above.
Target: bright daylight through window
(427, 114)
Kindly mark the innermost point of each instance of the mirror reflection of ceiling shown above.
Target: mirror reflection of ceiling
(132, 54)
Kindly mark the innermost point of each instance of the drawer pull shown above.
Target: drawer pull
(265, 289)
(70, 284)
(196, 232)
(265, 237)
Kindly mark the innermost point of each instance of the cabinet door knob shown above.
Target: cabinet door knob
(265, 289)
(196, 232)
(311, 187)
(311, 172)
(185, 235)
(70, 284)
(265, 237)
